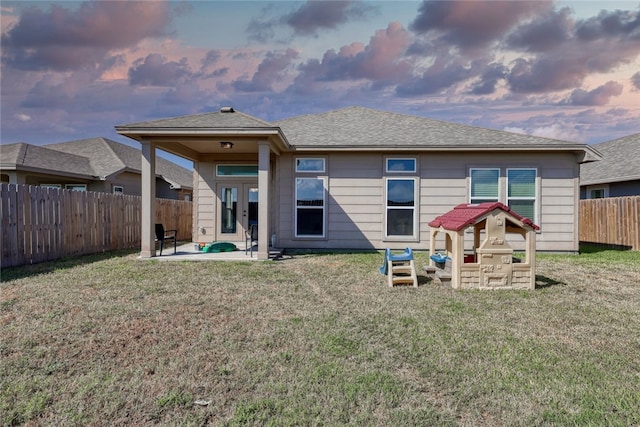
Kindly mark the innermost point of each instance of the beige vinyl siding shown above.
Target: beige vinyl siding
(352, 214)
(355, 200)
(205, 192)
(355, 196)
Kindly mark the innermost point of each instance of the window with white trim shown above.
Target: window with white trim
(400, 165)
(310, 164)
(597, 192)
(76, 187)
(118, 189)
(310, 207)
(521, 192)
(400, 207)
(485, 185)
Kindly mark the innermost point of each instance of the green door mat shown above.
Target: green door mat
(219, 247)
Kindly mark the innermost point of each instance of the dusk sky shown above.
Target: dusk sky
(561, 69)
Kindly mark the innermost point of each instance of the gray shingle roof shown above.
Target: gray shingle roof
(620, 162)
(215, 120)
(43, 159)
(358, 127)
(93, 157)
(109, 157)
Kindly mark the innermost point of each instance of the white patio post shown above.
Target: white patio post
(148, 209)
(264, 177)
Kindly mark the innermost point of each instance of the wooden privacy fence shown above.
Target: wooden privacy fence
(611, 221)
(42, 224)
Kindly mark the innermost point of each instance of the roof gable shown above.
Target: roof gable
(465, 215)
(103, 160)
(620, 160)
(225, 120)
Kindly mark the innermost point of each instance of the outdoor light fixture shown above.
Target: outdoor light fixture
(226, 144)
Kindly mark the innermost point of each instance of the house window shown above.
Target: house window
(521, 192)
(237, 170)
(401, 207)
(76, 187)
(51, 185)
(118, 189)
(407, 165)
(310, 165)
(598, 193)
(309, 213)
(484, 185)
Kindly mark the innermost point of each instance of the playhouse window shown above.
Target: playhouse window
(521, 192)
(400, 207)
(310, 205)
(484, 185)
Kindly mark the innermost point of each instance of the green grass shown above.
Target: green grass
(317, 340)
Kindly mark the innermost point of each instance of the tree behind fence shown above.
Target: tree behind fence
(42, 223)
(611, 221)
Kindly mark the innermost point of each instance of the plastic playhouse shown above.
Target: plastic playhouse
(399, 268)
(491, 264)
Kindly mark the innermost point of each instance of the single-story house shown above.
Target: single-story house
(617, 174)
(358, 178)
(94, 164)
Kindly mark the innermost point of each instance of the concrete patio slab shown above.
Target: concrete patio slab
(189, 252)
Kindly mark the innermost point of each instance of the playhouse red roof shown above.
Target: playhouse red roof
(467, 214)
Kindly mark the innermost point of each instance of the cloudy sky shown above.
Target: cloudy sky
(560, 69)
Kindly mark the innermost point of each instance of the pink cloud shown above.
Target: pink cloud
(473, 23)
(596, 97)
(63, 39)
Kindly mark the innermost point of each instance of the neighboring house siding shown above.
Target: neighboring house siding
(627, 188)
(130, 182)
(164, 190)
(356, 197)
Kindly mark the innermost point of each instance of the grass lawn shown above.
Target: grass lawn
(316, 340)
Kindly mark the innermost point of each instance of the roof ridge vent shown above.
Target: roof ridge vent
(227, 110)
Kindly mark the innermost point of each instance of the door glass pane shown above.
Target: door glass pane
(229, 212)
(252, 206)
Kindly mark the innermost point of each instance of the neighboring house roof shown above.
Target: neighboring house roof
(468, 214)
(34, 158)
(620, 162)
(95, 158)
(370, 129)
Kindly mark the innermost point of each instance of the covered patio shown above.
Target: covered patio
(188, 252)
(233, 156)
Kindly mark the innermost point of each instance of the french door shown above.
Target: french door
(237, 209)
